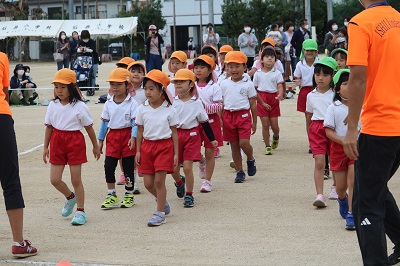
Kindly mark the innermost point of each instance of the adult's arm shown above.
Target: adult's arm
(242, 41)
(284, 39)
(7, 98)
(160, 40)
(14, 83)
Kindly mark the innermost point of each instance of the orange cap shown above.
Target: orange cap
(125, 61)
(225, 49)
(208, 60)
(120, 75)
(65, 76)
(136, 63)
(64, 263)
(159, 77)
(181, 56)
(184, 74)
(236, 57)
(268, 40)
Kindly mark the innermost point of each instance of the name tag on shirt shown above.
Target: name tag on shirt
(193, 134)
(211, 121)
(245, 115)
(127, 117)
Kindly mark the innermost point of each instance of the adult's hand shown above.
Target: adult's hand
(350, 144)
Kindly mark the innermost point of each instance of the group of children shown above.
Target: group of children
(154, 124)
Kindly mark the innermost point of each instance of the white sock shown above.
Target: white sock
(112, 191)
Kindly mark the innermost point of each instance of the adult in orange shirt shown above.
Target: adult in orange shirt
(374, 36)
(9, 170)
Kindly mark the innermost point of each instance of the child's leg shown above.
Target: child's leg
(245, 145)
(210, 159)
(128, 164)
(341, 183)
(274, 126)
(308, 123)
(265, 122)
(237, 158)
(148, 181)
(159, 183)
(350, 184)
(110, 163)
(177, 173)
(188, 170)
(319, 172)
(56, 171)
(76, 181)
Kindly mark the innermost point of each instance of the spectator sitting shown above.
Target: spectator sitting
(23, 92)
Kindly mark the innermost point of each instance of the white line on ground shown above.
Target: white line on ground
(27, 262)
(30, 150)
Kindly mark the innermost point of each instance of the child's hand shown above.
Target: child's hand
(297, 81)
(137, 158)
(131, 143)
(214, 143)
(101, 146)
(266, 106)
(175, 160)
(96, 152)
(45, 154)
(280, 97)
(253, 128)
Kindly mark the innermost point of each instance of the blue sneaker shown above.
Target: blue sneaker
(157, 219)
(240, 177)
(79, 218)
(188, 201)
(343, 207)
(251, 167)
(68, 207)
(350, 222)
(180, 189)
(167, 208)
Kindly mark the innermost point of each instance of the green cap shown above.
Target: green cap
(329, 62)
(338, 50)
(338, 74)
(310, 45)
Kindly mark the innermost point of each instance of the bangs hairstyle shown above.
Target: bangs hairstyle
(160, 87)
(137, 67)
(341, 54)
(343, 78)
(208, 50)
(268, 52)
(74, 94)
(324, 69)
(200, 62)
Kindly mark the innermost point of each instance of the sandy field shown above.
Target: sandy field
(268, 220)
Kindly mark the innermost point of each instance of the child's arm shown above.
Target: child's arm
(92, 136)
(175, 141)
(131, 142)
(102, 134)
(308, 120)
(260, 101)
(281, 92)
(47, 136)
(139, 139)
(209, 132)
(330, 133)
(253, 108)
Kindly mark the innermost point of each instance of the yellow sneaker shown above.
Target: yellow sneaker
(268, 150)
(128, 201)
(111, 201)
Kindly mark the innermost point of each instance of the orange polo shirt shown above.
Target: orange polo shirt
(5, 82)
(374, 42)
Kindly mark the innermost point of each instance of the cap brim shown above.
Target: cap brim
(116, 80)
(62, 81)
(180, 79)
(235, 61)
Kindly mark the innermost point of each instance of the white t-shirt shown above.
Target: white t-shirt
(140, 97)
(236, 95)
(171, 87)
(278, 65)
(305, 72)
(222, 77)
(210, 94)
(190, 113)
(157, 122)
(69, 117)
(335, 115)
(267, 81)
(120, 115)
(317, 103)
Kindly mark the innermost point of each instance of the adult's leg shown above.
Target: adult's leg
(95, 69)
(59, 65)
(350, 185)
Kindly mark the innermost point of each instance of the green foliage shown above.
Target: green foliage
(234, 14)
(319, 18)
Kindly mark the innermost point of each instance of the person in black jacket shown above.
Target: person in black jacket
(299, 36)
(153, 50)
(22, 86)
(88, 45)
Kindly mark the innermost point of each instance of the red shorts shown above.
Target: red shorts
(189, 144)
(156, 155)
(215, 124)
(319, 142)
(67, 147)
(117, 143)
(338, 159)
(302, 98)
(270, 99)
(237, 125)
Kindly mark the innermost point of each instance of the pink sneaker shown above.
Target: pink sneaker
(333, 195)
(27, 250)
(217, 152)
(121, 180)
(320, 201)
(202, 169)
(206, 187)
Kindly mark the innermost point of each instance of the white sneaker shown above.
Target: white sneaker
(136, 188)
(320, 201)
(333, 195)
(206, 186)
(202, 169)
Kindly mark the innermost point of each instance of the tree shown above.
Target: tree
(234, 15)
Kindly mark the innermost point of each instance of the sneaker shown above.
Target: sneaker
(394, 258)
(232, 164)
(121, 180)
(268, 150)
(79, 218)
(180, 189)
(202, 169)
(309, 151)
(128, 201)
(217, 152)
(206, 186)
(350, 222)
(136, 188)
(188, 201)
(157, 219)
(275, 142)
(251, 167)
(326, 174)
(240, 177)
(320, 201)
(27, 250)
(111, 201)
(343, 207)
(68, 207)
(167, 208)
(333, 195)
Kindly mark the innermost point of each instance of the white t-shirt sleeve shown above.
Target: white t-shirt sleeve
(280, 78)
(280, 67)
(173, 118)
(217, 93)
(105, 115)
(202, 114)
(252, 91)
(255, 79)
(330, 117)
(309, 108)
(297, 72)
(47, 118)
(84, 116)
(139, 116)
(134, 109)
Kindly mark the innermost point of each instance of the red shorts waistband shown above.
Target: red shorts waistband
(121, 129)
(158, 141)
(240, 110)
(65, 131)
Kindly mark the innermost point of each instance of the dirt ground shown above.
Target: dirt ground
(268, 220)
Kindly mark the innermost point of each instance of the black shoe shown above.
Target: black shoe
(180, 189)
(24, 102)
(251, 167)
(394, 258)
(240, 177)
(34, 95)
(288, 80)
(32, 101)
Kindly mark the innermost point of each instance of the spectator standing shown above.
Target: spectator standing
(88, 45)
(63, 47)
(247, 42)
(299, 36)
(153, 49)
(211, 37)
(331, 36)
